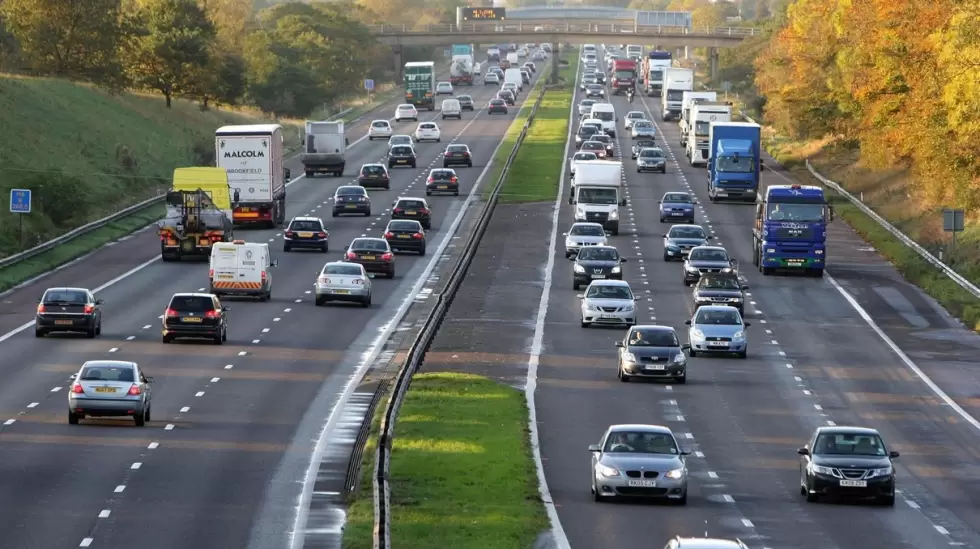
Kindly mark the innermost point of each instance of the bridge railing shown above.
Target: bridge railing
(564, 27)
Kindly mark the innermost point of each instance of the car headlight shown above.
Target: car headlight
(821, 470)
(594, 308)
(818, 252)
(675, 474)
(726, 270)
(616, 270)
(702, 298)
(739, 335)
(689, 268)
(882, 472)
(578, 269)
(614, 214)
(628, 308)
(679, 357)
(770, 250)
(580, 213)
(697, 334)
(569, 243)
(629, 357)
(606, 471)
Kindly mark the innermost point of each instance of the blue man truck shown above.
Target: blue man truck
(734, 161)
(790, 229)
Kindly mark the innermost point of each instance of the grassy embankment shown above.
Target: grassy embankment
(86, 154)
(450, 426)
(889, 193)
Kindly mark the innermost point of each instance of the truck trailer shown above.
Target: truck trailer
(325, 150)
(655, 66)
(734, 161)
(703, 113)
(198, 213)
(790, 230)
(253, 158)
(420, 84)
(687, 99)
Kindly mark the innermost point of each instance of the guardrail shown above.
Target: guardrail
(566, 26)
(416, 353)
(902, 237)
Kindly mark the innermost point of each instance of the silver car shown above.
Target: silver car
(639, 461)
(633, 117)
(718, 329)
(584, 234)
(608, 302)
(110, 388)
(643, 128)
(343, 281)
(679, 542)
(651, 159)
(585, 107)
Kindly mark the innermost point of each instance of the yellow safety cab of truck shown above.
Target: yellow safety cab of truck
(241, 268)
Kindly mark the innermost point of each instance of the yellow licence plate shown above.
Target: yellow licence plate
(63, 322)
(404, 236)
(367, 257)
(105, 389)
(443, 186)
(225, 276)
(192, 319)
(341, 291)
(351, 206)
(305, 235)
(410, 212)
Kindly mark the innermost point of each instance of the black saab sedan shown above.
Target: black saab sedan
(68, 310)
(596, 263)
(707, 260)
(720, 289)
(847, 462)
(652, 351)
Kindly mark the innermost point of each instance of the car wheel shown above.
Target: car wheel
(72, 418)
(681, 380)
(318, 301)
(286, 249)
(444, 165)
(666, 257)
(333, 214)
(218, 340)
(140, 418)
(166, 339)
(887, 501)
(810, 497)
(413, 165)
(469, 164)
(422, 251)
(98, 328)
(624, 377)
(224, 333)
(575, 285)
(585, 324)
(693, 353)
(427, 193)
(148, 410)
(90, 333)
(367, 302)
(596, 496)
(38, 333)
(743, 354)
(683, 500)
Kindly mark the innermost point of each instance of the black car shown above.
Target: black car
(530, 66)
(600, 78)
(401, 155)
(847, 462)
(374, 254)
(413, 208)
(607, 141)
(351, 199)
(681, 239)
(442, 181)
(374, 176)
(642, 144)
(652, 351)
(720, 289)
(68, 310)
(457, 154)
(508, 96)
(584, 134)
(497, 105)
(526, 76)
(707, 260)
(596, 263)
(197, 316)
(405, 235)
(306, 232)
(465, 102)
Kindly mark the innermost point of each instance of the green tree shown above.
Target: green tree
(174, 43)
(77, 40)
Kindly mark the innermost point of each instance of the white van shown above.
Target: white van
(451, 109)
(241, 268)
(607, 113)
(514, 75)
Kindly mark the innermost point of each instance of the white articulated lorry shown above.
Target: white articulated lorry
(599, 193)
(676, 82)
(703, 113)
(688, 99)
(252, 155)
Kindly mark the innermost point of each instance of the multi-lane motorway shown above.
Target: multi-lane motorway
(816, 357)
(225, 418)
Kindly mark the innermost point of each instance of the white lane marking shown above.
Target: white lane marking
(806, 392)
(699, 454)
(679, 418)
(818, 407)
(185, 409)
(255, 341)
(790, 366)
(242, 353)
(86, 542)
(153, 446)
(286, 310)
(831, 423)
(114, 349)
(214, 380)
(229, 366)
(265, 330)
(712, 474)
(120, 489)
(747, 523)
(199, 394)
(277, 319)
(104, 513)
(33, 405)
(902, 356)
(912, 504)
(941, 530)
(169, 427)
(55, 389)
(10, 422)
(728, 498)
(135, 466)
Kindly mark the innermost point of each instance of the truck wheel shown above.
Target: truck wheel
(309, 174)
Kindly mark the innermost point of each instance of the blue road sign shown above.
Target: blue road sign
(20, 201)
(447, 53)
(369, 85)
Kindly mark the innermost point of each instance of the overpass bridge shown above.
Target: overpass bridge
(603, 15)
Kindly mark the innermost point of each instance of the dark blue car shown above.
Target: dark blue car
(677, 207)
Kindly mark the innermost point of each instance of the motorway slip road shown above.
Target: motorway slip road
(813, 360)
(224, 417)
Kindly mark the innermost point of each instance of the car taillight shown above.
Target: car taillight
(397, 210)
(424, 211)
(171, 313)
(417, 236)
(466, 154)
(324, 280)
(389, 234)
(387, 256)
(351, 255)
(322, 234)
(210, 273)
(289, 234)
(263, 275)
(453, 180)
(134, 390)
(447, 153)
(40, 308)
(89, 309)
(212, 314)
(430, 180)
(77, 389)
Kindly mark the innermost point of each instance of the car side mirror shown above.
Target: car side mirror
(225, 309)
(99, 301)
(594, 448)
(695, 202)
(688, 322)
(709, 237)
(288, 174)
(275, 261)
(148, 379)
(893, 454)
(685, 452)
(346, 141)
(747, 324)
(580, 296)
(762, 167)
(620, 344)
(571, 201)
(39, 299)
(637, 299)
(659, 202)
(572, 257)
(803, 451)
(73, 376)
(564, 234)
(371, 275)
(622, 202)
(745, 286)
(686, 347)
(623, 260)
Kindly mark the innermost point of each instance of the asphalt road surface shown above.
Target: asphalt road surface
(224, 417)
(814, 359)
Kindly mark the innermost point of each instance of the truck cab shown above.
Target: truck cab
(688, 99)
(676, 82)
(790, 230)
(598, 193)
(703, 113)
(734, 161)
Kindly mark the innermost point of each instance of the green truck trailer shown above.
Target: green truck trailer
(420, 84)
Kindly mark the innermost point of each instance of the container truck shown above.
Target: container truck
(198, 213)
(599, 193)
(623, 76)
(687, 99)
(703, 113)
(461, 70)
(676, 82)
(734, 160)
(420, 84)
(325, 150)
(655, 66)
(790, 230)
(253, 158)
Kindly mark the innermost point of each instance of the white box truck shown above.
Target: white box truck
(687, 99)
(326, 148)
(676, 82)
(514, 76)
(598, 193)
(253, 157)
(703, 113)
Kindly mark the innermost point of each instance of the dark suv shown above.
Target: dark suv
(197, 316)
(306, 232)
(401, 155)
(68, 310)
(413, 208)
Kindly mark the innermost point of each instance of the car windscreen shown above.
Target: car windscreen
(351, 191)
(603, 115)
(442, 175)
(369, 245)
(406, 151)
(849, 445)
(709, 255)
(192, 303)
(66, 296)
(686, 232)
(598, 254)
(411, 204)
(720, 283)
(404, 226)
(304, 225)
(373, 170)
(349, 270)
(651, 153)
(717, 317)
(677, 198)
(587, 230)
(604, 291)
(380, 124)
(652, 338)
(98, 372)
(457, 148)
(641, 443)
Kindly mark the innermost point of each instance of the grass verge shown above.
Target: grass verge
(451, 425)
(22, 271)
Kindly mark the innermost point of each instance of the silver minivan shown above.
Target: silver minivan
(451, 109)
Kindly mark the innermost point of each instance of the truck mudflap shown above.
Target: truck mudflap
(173, 248)
(322, 163)
(267, 213)
(461, 80)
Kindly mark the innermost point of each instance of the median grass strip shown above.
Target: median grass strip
(450, 426)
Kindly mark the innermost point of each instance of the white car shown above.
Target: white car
(491, 78)
(380, 129)
(585, 107)
(406, 111)
(428, 131)
(578, 157)
(631, 117)
(444, 88)
(343, 281)
(608, 302)
(584, 234)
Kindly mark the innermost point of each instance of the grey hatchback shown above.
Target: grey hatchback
(109, 388)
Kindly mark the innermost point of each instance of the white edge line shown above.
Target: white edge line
(901, 354)
(537, 344)
(306, 494)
